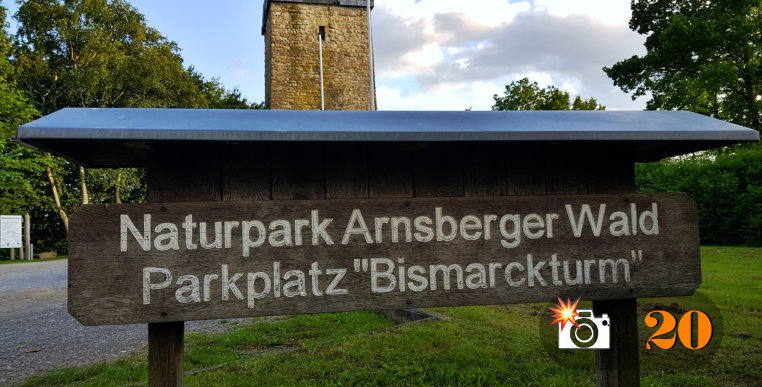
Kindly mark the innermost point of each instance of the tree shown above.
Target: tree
(22, 189)
(98, 53)
(124, 185)
(702, 56)
(217, 97)
(101, 53)
(523, 95)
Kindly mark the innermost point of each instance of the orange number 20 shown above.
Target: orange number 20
(703, 330)
(667, 326)
(684, 329)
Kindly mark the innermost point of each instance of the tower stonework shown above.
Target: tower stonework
(292, 54)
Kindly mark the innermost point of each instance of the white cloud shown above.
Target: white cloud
(449, 51)
(487, 12)
(605, 11)
(428, 56)
(448, 97)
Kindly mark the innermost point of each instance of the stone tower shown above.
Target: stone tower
(292, 64)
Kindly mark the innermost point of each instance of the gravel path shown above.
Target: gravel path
(37, 334)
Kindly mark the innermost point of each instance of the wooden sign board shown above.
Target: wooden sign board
(193, 261)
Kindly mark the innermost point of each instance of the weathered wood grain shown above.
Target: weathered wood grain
(620, 364)
(566, 171)
(390, 171)
(106, 284)
(346, 171)
(246, 172)
(185, 172)
(177, 172)
(298, 171)
(166, 347)
(525, 171)
(484, 170)
(439, 171)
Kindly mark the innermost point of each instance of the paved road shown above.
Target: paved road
(37, 333)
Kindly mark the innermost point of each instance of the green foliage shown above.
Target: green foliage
(702, 56)
(85, 53)
(727, 190)
(103, 184)
(586, 104)
(218, 97)
(101, 53)
(522, 95)
(98, 53)
(23, 188)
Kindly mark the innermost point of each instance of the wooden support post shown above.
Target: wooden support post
(28, 236)
(13, 254)
(172, 177)
(620, 365)
(165, 354)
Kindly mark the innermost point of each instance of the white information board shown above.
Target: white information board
(10, 231)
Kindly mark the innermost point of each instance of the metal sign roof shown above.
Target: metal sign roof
(82, 134)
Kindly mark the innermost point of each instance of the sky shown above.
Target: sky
(429, 54)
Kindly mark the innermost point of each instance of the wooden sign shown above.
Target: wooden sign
(193, 261)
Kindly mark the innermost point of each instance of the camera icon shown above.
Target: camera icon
(590, 333)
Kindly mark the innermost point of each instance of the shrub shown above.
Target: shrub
(727, 189)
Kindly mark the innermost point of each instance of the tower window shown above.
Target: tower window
(321, 32)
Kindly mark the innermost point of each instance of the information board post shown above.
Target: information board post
(166, 348)
(620, 364)
(28, 237)
(173, 178)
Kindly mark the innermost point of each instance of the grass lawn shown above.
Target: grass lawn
(490, 345)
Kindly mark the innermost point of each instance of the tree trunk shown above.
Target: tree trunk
(85, 198)
(118, 187)
(751, 100)
(64, 217)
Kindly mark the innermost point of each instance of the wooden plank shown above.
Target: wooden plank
(439, 171)
(484, 170)
(183, 173)
(246, 172)
(525, 172)
(165, 354)
(298, 171)
(612, 176)
(106, 278)
(346, 171)
(390, 170)
(619, 366)
(566, 173)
